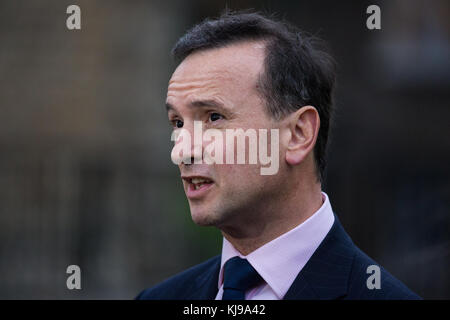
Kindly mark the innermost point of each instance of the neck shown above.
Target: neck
(275, 218)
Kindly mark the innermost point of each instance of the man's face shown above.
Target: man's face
(219, 88)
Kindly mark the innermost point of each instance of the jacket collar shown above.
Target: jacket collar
(326, 274)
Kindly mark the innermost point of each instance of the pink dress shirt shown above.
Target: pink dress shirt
(280, 260)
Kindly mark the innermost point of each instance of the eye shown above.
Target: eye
(177, 123)
(214, 116)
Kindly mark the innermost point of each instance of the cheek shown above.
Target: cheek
(239, 176)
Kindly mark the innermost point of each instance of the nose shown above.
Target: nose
(188, 146)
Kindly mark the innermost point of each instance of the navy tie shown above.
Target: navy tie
(239, 276)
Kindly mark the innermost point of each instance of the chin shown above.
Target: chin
(202, 217)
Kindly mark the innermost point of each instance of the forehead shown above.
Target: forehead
(230, 71)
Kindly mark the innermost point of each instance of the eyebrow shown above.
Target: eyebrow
(199, 103)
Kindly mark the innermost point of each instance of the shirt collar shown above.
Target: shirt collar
(280, 260)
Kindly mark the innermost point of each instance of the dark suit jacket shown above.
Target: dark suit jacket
(336, 270)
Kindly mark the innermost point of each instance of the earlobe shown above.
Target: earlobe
(294, 157)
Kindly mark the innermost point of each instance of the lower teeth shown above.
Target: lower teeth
(198, 186)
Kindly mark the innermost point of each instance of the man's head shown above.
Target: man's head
(247, 71)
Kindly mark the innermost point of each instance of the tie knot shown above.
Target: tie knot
(240, 275)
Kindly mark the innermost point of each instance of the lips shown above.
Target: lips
(199, 182)
(197, 186)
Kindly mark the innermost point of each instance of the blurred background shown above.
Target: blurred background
(85, 170)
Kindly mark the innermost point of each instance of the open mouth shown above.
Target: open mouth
(197, 186)
(199, 183)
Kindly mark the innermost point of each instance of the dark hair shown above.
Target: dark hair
(297, 71)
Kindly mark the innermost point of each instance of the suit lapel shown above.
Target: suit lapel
(205, 287)
(325, 275)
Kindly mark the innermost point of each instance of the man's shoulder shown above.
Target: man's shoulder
(370, 281)
(181, 285)
(338, 269)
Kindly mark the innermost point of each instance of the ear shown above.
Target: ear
(303, 126)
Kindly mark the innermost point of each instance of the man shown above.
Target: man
(281, 237)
